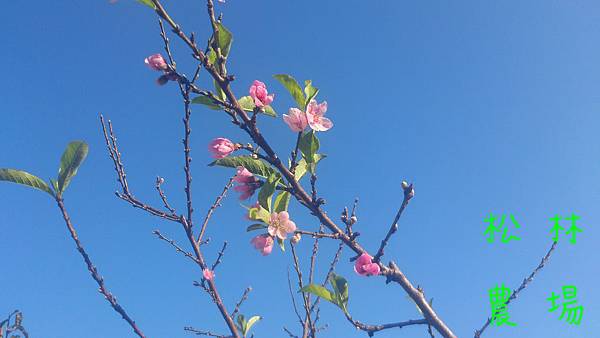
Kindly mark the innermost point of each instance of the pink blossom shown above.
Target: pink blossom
(156, 62)
(247, 183)
(280, 225)
(221, 147)
(296, 119)
(314, 115)
(364, 266)
(263, 243)
(258, 92)
(208, 274)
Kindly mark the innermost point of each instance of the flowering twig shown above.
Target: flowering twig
(521, 287)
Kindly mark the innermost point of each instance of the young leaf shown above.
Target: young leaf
(255, 166)
(256, 226)
(309, 145)
(246, 103)
(319, 291)
(251, 322)
(293, 87)
(281, 243)
(241, 322)
(282, 201)
(25, 178)
(310, 92)
(72, 158)
(259, 214)
(302, 167)
(266, 192)
(225, 38)
(148, 3)
(268, 110)
(207, 101)
(340, 287)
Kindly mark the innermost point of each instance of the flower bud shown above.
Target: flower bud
(296, 238)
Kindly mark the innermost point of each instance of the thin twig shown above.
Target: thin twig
(94, 271)
(219, 256)
(174, 245)
(213, 207)
(203, 333)
(394, 226)
(239, 304)
(521, 287)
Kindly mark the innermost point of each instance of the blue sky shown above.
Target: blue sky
(488, 107)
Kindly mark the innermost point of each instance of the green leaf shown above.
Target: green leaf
(207, 101)
(25, 178)
(72, 158)
(256, 166)
(251, 322)
(212, 56)
(268, 110)
(281, 243)
(224, 39)
(256, 226)
(148, 3)
(282, 201)
(319, 291)
(246, 103)
(340, 287)
(293, 87)
(259, 214)
(309, 145)
(310, 92)
(266, 192)
(302, 166)
(241, 322)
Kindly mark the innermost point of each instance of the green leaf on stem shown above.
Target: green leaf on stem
(148, 3)
(340, 288)
(71, 160)
(256, 166)
(310, 92)
(247, 104)
(319, 291)
(302, 166)
(24, 178)
(293, 87)
(266, 192)
(309, 145)
(282, 201)
(224, 39)
(281, 243)
(207, 101)
(253, 320)
(259, 214)
(256, 226)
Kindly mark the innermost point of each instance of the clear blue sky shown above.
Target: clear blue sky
(488, 107)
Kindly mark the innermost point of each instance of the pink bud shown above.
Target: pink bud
(156, 62)
(208, 274)
(263, 243)
(364, 266)
(296, 119)
(258, 93)
(221, 147)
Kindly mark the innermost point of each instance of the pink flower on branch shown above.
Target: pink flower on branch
(296, 119)
(263, 243)
(247, 183)
(208, 274)
(315, 114)
(280, 225)
(364, 266)
(258, 93)
(156, 62)
(221, 147)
